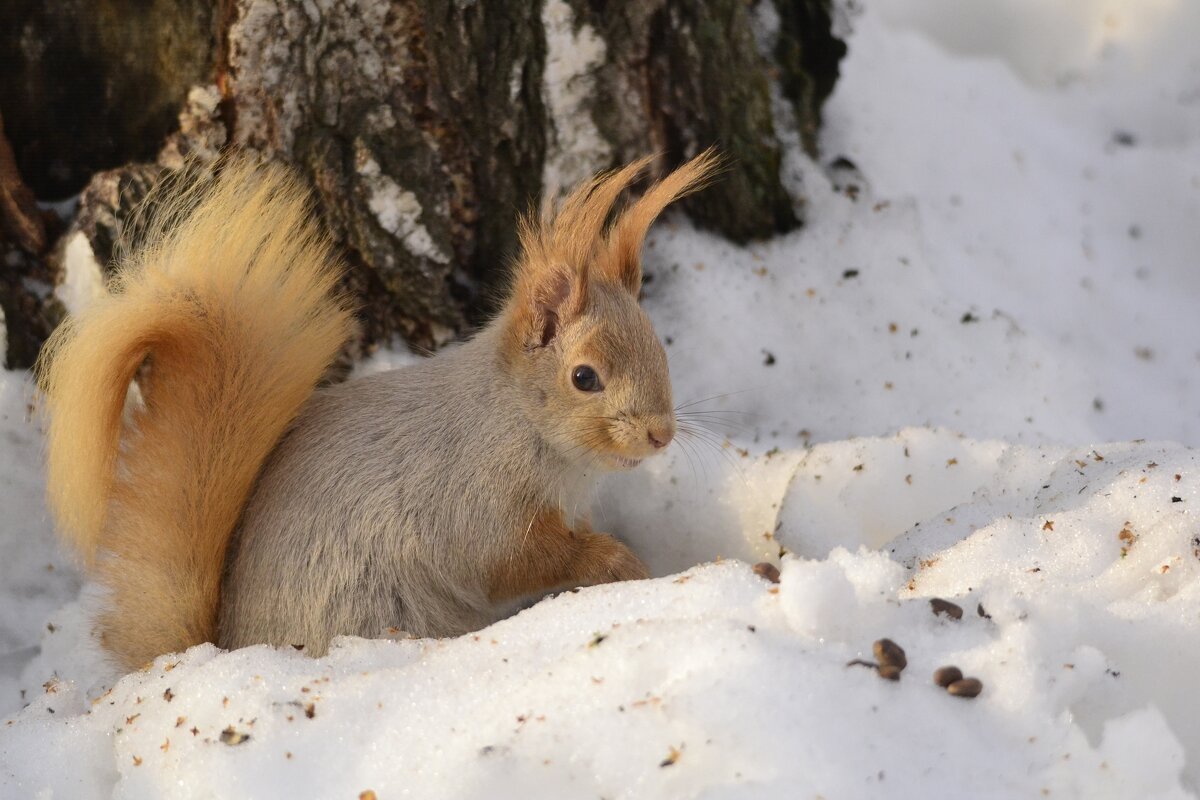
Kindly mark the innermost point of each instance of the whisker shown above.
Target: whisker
(717, 425)
(684, 448)
(716, 412)
(708, 399)
(706, 433)
(688, 441)
(706, 438)
(695, 442)
(594, 438)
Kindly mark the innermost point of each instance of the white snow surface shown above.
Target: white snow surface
(971, 376)
(83, 281)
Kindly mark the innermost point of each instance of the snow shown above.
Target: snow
(743, 688)
(36, 578)
(82, 281)
(1084, 222)
(972, 376)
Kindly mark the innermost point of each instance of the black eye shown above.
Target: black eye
(586, 379)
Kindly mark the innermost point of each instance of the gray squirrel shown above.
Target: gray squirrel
(237, 503)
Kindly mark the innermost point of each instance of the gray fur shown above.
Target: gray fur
(386, 500)
(407, 498)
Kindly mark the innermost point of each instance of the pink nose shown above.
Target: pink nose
(658, 439)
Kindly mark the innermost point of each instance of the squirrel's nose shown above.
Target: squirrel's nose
(659, 438)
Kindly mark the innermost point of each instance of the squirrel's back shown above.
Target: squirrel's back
(228, 320)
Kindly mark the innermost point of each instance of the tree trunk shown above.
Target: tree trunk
(427, 126)
(25, 283)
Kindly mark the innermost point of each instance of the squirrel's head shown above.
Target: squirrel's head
(593, 370)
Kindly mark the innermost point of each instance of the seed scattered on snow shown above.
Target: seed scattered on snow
(945, 607)
(966, 687)
(945, 676)
(767, 570)
(231, 736)
(889, 672)
(889, 654)
(1127, 538)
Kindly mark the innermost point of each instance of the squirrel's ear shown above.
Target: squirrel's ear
(546, 295)
(559, 295)
(622, 259)
(557, 248)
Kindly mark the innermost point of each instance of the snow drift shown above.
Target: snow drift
(927, 393)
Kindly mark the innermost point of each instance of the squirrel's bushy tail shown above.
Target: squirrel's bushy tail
(229, 318)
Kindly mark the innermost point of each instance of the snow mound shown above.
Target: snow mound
(1078, 574)
(902, 402)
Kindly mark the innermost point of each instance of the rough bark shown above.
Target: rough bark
(427, 126)
(420, 125)
(91, 84)
(26, 298)
(679, 75)
(808, 56)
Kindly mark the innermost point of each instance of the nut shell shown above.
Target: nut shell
(889, 672)
(888, 653)
(940, 607)
(944, 676)
(967, 687)
(767, 570)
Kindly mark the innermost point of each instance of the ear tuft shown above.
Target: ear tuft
(559, 249)
(622, 258)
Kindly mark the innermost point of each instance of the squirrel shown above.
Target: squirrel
(239, 502)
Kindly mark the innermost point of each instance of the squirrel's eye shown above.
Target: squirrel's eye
(586, 379)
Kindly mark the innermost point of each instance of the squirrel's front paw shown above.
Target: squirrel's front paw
(619, 563)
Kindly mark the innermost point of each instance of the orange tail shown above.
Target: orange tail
(234, 313)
